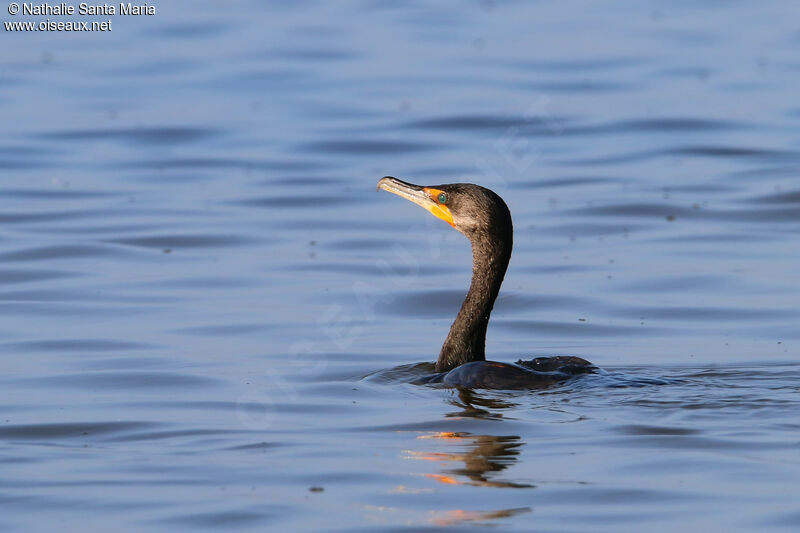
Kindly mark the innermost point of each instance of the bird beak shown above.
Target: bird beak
(422, 196)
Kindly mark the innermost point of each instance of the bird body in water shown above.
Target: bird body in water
(483, 217)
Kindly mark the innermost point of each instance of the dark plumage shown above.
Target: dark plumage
(483, 217)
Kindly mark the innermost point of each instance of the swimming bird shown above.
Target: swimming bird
(483, 217)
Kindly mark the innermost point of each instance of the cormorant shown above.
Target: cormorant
(483, 217)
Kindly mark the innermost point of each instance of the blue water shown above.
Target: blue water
(210, 318)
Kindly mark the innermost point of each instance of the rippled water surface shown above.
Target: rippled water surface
(210, 319)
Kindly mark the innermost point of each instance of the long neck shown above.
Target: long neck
(466, 341)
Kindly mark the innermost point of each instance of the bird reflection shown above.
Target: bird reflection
(476, 404)
(476, 462)
(449, 518)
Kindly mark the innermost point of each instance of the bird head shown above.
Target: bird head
(471, 209)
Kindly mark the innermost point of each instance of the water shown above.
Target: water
(206, 307)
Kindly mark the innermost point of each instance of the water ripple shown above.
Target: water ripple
(144, 136)
(579, 65)
(706, 314)
(56, 252)
(577, 328)
(51, 216)
(223, 519)
(367, 147)
(635, 429)
(675, 212)
(177, 242)
(294, 201)
(69, 430)
(445, 303)
(73, 345)
(12, 277)
(788, 197)
(217, 163)
(484, 122)
(732, 151)
(129, 380)
(59, 193)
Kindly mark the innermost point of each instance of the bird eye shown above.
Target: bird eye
(442, 198)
